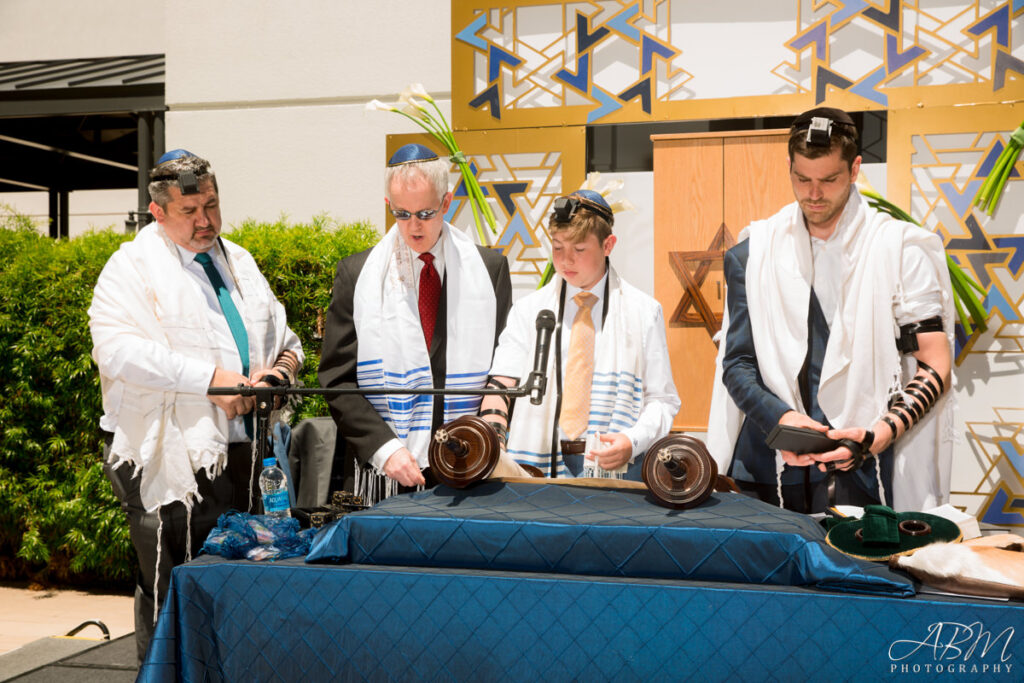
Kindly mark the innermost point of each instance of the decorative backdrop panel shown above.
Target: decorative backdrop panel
(521, 172)
(938, 159)
(541, 63)
(949, 74)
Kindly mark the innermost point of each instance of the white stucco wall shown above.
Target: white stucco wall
(274, 95)
(72, 29)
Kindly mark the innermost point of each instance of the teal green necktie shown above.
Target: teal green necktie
(234, 319)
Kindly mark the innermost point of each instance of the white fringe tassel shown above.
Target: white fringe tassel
(156, 578)
(779, 467)
(188, 533)
(372, 486)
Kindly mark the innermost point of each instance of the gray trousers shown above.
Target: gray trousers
(226, 492)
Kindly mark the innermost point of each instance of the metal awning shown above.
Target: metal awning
(80, 124)
(82, 86)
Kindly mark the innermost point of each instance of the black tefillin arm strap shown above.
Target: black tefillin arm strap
(907, 342)
(501, 429)
(919, 396)
(922, 392)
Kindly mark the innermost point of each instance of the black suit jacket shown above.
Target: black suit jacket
(362, 428)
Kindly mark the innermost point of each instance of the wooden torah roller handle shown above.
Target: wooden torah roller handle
(679, 471)
(463, 451)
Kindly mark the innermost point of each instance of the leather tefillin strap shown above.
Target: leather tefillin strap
(922, 392)
(907, 342)
(492, 383)
(500, 429)
(918, 397)
(858, 451)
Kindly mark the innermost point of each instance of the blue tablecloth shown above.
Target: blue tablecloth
(562, 620)
(291, 621)
(578, 530)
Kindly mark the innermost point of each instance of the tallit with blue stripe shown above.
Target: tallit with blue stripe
(391, 349)
(617, 392)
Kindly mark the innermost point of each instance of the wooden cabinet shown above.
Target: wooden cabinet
(707, 188)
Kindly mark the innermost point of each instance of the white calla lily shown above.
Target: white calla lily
(433, 122)
(612, 186)
(622, 205)
(418, 90)
(377, 105)
(863, 184)
(414, 111)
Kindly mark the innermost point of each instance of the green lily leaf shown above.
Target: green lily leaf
(992, 189)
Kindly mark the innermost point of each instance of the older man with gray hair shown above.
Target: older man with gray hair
(176, 311)
(423, 308)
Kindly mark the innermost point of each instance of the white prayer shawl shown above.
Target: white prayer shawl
(392, 353)
(144, 291)
(618, 393)
(862, 367)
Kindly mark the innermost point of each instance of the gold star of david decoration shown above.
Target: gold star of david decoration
(693, 308)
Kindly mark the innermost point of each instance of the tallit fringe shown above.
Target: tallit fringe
(593, 471)
(252, 472)
(878, 478)
(156, 574)
(373, 486)
(189, 500)
(188, 534)
(779, 467)
(895, 390)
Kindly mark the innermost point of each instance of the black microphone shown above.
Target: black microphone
(538, 380)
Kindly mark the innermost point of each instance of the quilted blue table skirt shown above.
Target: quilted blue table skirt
(291, 621)
(529, 527)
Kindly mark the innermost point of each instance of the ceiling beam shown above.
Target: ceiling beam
(68, 153)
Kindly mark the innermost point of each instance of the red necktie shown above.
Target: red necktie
(430, 295)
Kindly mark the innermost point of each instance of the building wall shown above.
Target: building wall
(274, 95)
(69, 29)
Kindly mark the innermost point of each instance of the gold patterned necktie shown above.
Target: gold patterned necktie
(579, 370)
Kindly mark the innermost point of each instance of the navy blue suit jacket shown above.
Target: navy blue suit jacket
(753, 460)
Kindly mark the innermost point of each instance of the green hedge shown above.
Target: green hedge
(59, 520)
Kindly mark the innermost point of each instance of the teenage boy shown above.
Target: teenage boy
(609, 376)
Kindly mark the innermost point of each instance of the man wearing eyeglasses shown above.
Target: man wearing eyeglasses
(423, 308)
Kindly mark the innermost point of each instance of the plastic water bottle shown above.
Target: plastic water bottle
(274, 486)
